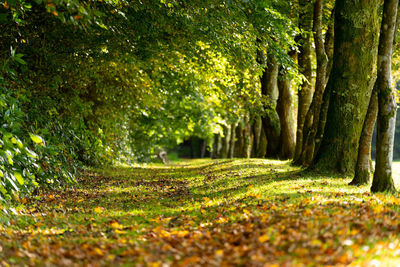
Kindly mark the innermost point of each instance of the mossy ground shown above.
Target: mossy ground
(203, 212)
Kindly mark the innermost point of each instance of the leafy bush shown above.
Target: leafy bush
(26, 161)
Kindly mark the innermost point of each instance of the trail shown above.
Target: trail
(207, 213)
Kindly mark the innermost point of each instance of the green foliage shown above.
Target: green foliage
(25, 160)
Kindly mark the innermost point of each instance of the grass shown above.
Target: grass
(203, 212)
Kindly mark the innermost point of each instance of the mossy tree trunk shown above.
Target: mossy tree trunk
(305, 63)
(262, 147)
(350, 83)
(270, 119)
(383, 180)
(284, 108)
(363, 164)
(312, 117)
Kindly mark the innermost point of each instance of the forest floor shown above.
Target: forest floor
(200, 212)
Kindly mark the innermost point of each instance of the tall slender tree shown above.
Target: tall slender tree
(305, 65)
(312, 117)
(383, 180)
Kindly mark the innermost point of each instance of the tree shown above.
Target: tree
(383, 180)
(312, 118)
(305, 64)
(350, 83)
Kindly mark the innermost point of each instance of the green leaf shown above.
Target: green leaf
(19, 178)
(30, 153)
(18, 58)
(36, 138)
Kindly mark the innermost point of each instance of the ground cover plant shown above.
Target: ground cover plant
(204, 212)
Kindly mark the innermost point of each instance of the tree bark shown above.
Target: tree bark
(225, 142)
(312, 117)
(247, 138)
(383, 180)
(305, 64)
(270, 120)
(256, 130)
(239, 141)
(350, 83)
(233, 140)
(284, 108)
(329, 43)
(214, 154)
(363, 165)
(262, 147)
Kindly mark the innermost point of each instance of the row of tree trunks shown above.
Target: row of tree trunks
(248, 139)
(311, 123)
(364, 164)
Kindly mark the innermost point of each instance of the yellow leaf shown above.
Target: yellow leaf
(116, 225)
(378, 209)
(155, 264)
(110, 257)
(219, 252)
(263, 238)
(98, 251)
(98, 209)
(316, 242)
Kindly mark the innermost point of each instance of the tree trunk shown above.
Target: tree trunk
(270, 120)
(233, 140)
(312, 118)
(240, 141)
(285, 112)
(256, 130)
(203, 148)
(305, 64)
(363, 165)
(262, 147)
(329, 38)
(225, 142)
(214, 154)
(383, 180)
(350, 83)
(247, 138)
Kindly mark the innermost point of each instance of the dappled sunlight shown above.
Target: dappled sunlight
(226, 212)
